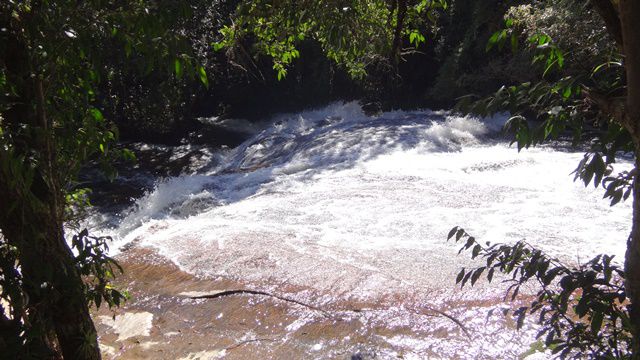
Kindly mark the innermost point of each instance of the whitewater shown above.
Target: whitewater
(352, 206)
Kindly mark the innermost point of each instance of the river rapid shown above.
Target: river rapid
(335, 209)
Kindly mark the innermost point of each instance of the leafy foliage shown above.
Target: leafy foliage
(578, 94)
(562, 103)
(98, 269)
(91, 261)
(149, 88)
(352, 33)
(581, 311)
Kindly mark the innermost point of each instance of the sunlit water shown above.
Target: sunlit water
(359, 207)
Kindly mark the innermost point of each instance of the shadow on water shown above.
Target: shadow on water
(135, 179)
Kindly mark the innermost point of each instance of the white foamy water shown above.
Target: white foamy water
(360, 206)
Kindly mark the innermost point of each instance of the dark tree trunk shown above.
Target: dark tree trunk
(632, 262)
(57, 304)
(629, 12)
(396, 46)
(31, 220)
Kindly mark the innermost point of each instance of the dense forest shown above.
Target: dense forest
(80, 81)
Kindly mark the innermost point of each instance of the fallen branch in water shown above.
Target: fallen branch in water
(324, 312)
(263, 293)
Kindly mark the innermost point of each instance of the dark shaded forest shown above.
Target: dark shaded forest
(452, 62)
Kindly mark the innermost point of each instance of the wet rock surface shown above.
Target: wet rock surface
(164, 321)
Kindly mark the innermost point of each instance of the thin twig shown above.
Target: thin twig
(237, 345)
(450, 317)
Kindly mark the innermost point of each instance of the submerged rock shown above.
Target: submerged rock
(129, 324)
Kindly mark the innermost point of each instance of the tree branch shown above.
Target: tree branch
(257, 292)
(396, 46)
(613, 106)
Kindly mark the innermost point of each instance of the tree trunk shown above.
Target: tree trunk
(632, 261)
(31, 220)
(396, 46)
(629, 11)
(57, 304)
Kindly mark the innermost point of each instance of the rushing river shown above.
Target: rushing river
(354, 207)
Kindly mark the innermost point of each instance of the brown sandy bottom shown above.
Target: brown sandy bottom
(163, 320)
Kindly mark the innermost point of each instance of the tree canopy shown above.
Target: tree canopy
(351, 33)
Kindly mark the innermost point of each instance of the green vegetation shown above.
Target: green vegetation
(351, 33)
(580, 309)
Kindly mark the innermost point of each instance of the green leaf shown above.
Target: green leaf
(582, 307)
(177, 65)
(514, 42)
(606, 64)
(469, 243)
(282, 73)
(217, 46)
(466, 277)
(560, 58)
(128, 48)
(490, 274)
(599, 168)
(475, 251)
(97, 115)
(476, 275)
(128, 155)
(549, 338)
(493, 40)
(202, 74)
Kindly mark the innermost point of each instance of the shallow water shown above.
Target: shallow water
(356, 208)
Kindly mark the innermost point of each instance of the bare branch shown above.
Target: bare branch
(257, 292)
